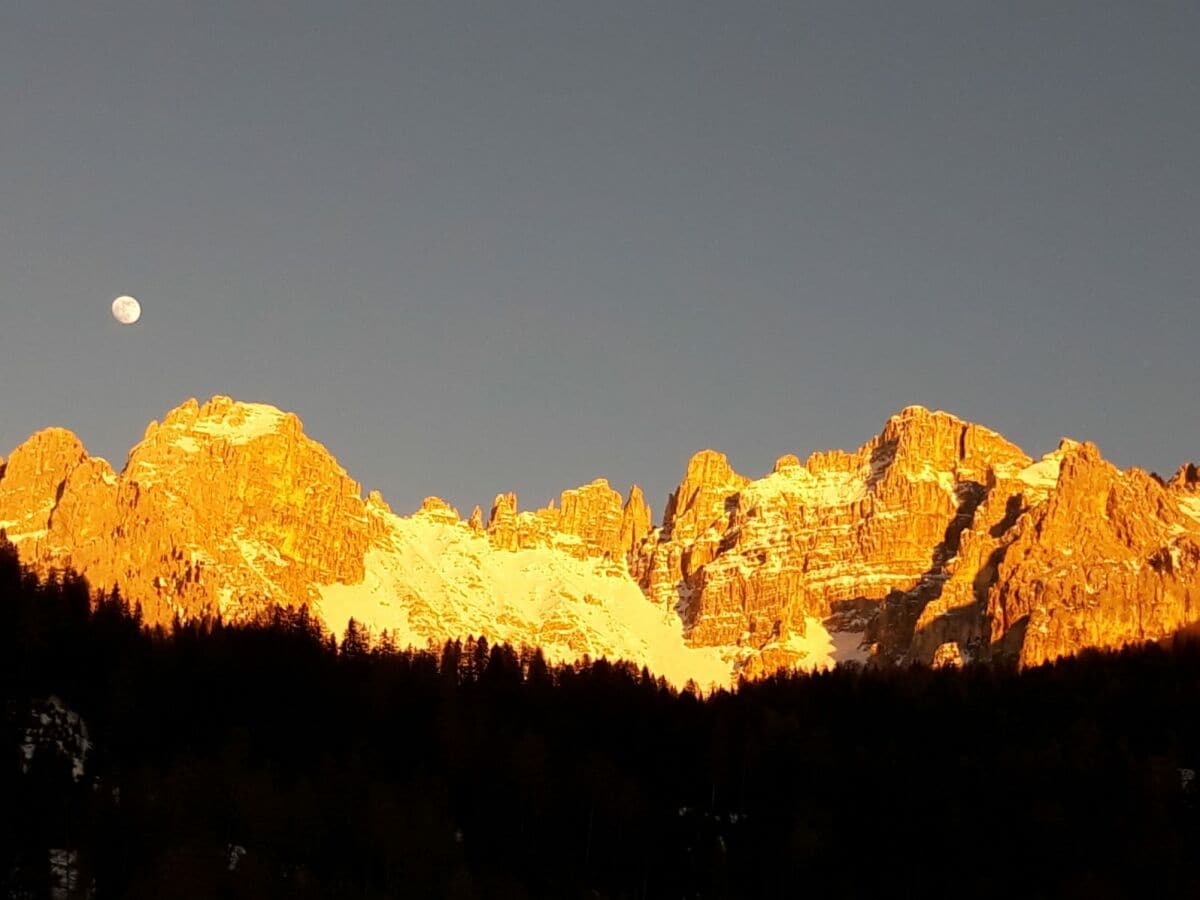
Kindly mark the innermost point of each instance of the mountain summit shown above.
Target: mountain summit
(936, 541)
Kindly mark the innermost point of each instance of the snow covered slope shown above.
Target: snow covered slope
(431, 577)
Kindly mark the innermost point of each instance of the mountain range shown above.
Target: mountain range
(937, 541)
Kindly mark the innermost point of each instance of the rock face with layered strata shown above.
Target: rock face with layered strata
(1107, 558)
(220, 506)
(1070, 553)
(588, 521)
(749, 563)
(937, 533)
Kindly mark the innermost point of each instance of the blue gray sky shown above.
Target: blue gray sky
(492, 246)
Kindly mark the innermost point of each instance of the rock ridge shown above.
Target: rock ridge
(936, 541)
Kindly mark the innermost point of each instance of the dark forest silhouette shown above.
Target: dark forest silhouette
(263, 761)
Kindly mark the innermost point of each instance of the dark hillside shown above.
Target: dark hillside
(260, 761)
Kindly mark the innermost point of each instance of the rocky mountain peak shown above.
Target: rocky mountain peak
(588, 521)
(437, 508)
(917, 441)
(34, 478)
(699, 501)
(636, 520)
(904, 541)
(217, 500)
(786, 463)
(49, 451)
(1186, 478)
(502, 522)
(1109, 556)
(233, 420)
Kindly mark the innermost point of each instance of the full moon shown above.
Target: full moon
(126, 310)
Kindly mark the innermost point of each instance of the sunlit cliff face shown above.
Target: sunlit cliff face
(937, 540)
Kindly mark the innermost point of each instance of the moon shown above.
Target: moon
(126, 310)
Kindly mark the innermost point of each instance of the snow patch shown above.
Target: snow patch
(242, 423)
(28, 536)
(53, 728)
(1042, 475)
(797, 486)
(1190, 506)
(435, 580)
(255, 554)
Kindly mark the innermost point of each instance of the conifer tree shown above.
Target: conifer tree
(356, 642)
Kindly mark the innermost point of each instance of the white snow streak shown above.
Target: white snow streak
(1190, 506)
(256, 420)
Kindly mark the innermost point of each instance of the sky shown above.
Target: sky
(515, 246)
